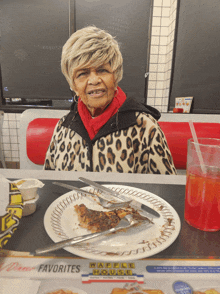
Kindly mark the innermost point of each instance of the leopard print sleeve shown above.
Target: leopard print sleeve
(159, 158)
(49, 163)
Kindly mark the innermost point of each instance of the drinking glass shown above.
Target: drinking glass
(202, 197)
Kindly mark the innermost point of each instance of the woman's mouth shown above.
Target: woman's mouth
(96, 93)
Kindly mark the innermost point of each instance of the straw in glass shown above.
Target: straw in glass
(201, 161)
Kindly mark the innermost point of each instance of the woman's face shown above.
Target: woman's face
(95, 86)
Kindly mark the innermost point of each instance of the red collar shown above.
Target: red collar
(93, 125)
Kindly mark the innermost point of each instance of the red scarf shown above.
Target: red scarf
(93, 125)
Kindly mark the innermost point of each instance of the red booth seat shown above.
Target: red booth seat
(40, 130)
(178, 133)
(38, 136)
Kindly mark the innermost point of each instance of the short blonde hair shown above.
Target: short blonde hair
(91, 46)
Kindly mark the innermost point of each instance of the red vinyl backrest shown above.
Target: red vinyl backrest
(38, 136)
(40, 130)
(178, 133)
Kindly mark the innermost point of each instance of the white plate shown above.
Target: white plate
(61, 222)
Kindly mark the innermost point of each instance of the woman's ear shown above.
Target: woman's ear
(73, 88)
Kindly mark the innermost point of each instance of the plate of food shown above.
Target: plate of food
(59, 287)
(208, 290)
(64, 291)
(70, 215)
(135, 288)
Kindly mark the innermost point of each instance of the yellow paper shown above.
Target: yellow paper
(13, 213)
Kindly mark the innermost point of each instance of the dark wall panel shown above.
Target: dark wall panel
(197, 56)
(33, 33)
(128, 21)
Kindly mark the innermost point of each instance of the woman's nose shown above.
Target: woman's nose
(94, 79)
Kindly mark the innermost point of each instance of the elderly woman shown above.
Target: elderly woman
(105, 131)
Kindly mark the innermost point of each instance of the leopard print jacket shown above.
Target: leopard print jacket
(130, 142)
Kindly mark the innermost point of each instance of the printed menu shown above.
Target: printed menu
(83, 276)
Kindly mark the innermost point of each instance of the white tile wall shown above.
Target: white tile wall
(162, 39)
(10, 136)
(161, 53)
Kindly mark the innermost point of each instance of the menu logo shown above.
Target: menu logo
(112, 265)
(109, 272)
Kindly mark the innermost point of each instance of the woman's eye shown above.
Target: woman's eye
(81, 74)
(102, 70)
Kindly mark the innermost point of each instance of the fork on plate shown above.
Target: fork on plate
(104, 203)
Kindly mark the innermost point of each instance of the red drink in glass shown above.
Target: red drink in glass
(202, 201)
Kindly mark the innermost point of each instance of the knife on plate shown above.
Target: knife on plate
(134, 203)
(105, 203)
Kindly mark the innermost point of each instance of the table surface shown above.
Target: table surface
(191, 243)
